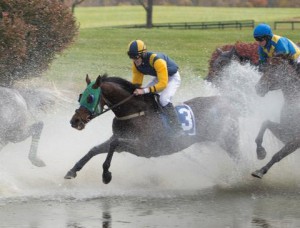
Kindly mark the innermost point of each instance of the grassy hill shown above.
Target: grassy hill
(101, 48)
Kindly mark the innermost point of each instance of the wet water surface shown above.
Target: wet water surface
(198, 187)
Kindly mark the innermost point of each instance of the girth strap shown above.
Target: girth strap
(131, 116)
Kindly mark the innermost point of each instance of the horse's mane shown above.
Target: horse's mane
(282, 65)
(147, 99)
(128, 86)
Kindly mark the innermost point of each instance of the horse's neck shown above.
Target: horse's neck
(291, 90)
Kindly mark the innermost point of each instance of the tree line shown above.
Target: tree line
(220, 3)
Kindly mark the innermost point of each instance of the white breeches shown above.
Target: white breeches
(167, 94)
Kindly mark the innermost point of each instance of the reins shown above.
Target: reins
(114, 106)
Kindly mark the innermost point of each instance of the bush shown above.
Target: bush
(32, 32)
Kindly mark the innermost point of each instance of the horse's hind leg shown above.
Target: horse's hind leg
(229, 138)
(274, 128)
(36, 131)
(285, 151)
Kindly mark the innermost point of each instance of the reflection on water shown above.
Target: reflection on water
(106, 215)
(216, 208)
(106, 219)
(259, 222)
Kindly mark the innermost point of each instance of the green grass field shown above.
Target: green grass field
(100, 48)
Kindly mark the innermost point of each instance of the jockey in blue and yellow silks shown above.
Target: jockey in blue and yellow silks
(166, 78)
(271, 45)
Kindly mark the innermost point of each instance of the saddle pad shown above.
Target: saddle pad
(186, 118)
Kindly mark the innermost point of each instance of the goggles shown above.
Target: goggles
(132, 56)
(259, 38)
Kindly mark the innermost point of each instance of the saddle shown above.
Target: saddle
(184, 113)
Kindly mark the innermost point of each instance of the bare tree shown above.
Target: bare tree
(149, 10)
(75, 3)
(72, 3)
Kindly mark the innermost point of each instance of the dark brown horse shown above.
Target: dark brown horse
(280, 74)
(223, 56)
(138, 126)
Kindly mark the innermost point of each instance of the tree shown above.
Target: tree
(72, 3)
(149, 10)
(32, 32)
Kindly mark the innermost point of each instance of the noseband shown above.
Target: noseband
(110, 107)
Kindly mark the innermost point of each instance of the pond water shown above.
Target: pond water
(198, 187)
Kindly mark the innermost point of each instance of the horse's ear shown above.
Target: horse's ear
(234, 54)
(97, 82)
(87, 79)
(219, 50)
(233, 50)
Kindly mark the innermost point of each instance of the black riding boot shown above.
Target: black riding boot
(171, 114)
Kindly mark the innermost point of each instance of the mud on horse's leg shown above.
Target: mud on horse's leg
(285, 151)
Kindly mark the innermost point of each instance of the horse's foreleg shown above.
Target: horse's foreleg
(36, 131)
(100, 149)
(274, 128)
(285, 151)
(106, 175)
(118, 144)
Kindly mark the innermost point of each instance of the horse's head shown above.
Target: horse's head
(90, 104)
(224, 58)
(219, 60)
(114, 92)
(276, 74)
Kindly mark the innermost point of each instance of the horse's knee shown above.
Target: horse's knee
(114, 143)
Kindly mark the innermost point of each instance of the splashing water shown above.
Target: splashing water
(196, 168)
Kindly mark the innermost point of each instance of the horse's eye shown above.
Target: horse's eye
(79, 98)
(90, 99)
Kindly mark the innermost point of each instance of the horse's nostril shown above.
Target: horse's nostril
(73, 122)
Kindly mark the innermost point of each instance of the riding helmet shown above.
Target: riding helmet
(263, 31)
(136, 48)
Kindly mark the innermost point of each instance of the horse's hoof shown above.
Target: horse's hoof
(70, 174)
(38, 162)
(261, 153)
(106, 177)
(258, 174)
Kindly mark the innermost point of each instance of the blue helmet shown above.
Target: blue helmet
(262, 30)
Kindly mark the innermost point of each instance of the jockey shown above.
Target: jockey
(271, 45)
(166, 78)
